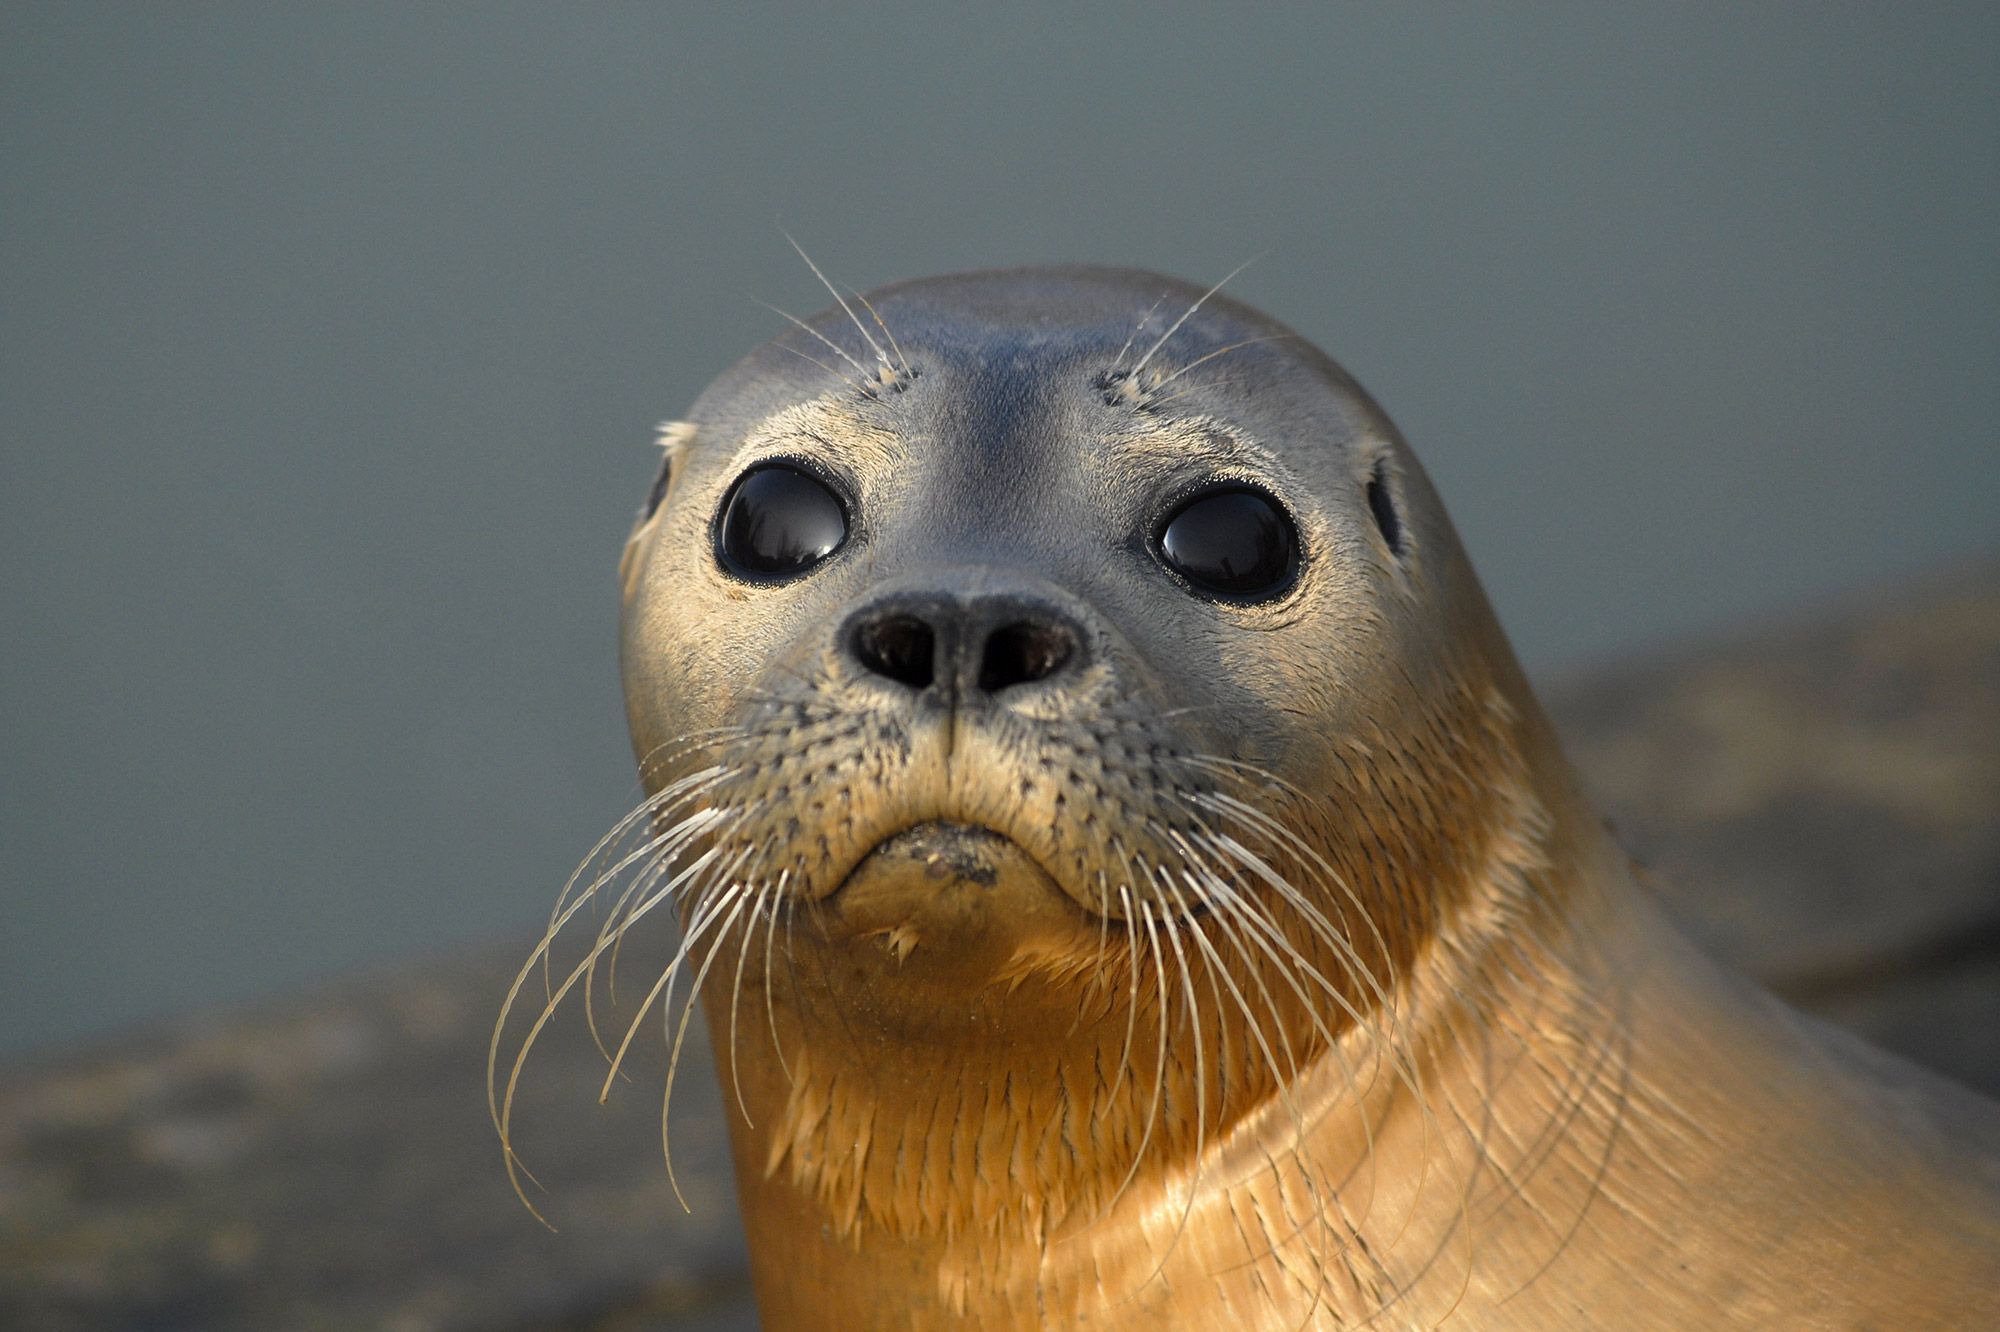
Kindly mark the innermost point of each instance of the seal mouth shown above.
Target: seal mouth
(961, 896)
(946, 850)
(944, 855)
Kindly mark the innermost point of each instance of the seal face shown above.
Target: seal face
(1128, 875)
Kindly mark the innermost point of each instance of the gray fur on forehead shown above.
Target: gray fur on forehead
(1089, 319)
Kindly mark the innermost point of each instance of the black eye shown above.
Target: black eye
(777, 522)
(1235, 542)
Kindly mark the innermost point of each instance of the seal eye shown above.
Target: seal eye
(1234, 542)
(777, 522)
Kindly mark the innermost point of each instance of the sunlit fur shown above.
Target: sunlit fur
(1306, 991)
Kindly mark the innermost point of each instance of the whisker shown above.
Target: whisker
(1216, 967)
(770, 936)
(1205, 359)
(668, 843)
(856, 385)
(1144, 319)
(740, 893)
(1160, 1061)
(758, 900)
(1132, 1001)
(538, 958)
(651, 806)
(703, 915)
(1175, 327)
(1200, 1071)
(503, 1111)
(1391, 1043)
(1285, 837)
(879, 323)
(860, 327)
(834, 347)
(662, 848)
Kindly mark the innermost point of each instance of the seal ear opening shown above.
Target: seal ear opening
(661, 479)
(674, 438)
(1383, 506)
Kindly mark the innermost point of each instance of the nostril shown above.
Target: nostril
(901, 647)
(1022, 653)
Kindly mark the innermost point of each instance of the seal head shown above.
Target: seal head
(1069, 641)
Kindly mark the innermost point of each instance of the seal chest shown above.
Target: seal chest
(1129, 881)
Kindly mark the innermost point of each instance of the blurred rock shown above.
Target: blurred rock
(1819, 803)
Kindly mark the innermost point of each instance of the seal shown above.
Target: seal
(1130, 883)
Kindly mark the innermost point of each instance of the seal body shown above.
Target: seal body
(1131, 884)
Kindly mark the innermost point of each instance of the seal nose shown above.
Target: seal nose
(979, 645)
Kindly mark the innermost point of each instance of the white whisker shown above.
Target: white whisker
(860, 327)
(1175, 327)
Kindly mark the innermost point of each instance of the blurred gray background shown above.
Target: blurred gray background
(332, 338)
